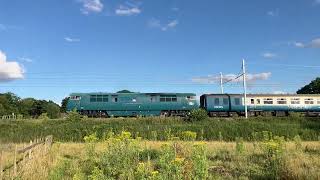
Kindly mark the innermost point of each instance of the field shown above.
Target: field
(161, 128)
(169, 148)
(125, 158)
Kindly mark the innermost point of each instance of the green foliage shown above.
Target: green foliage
(74, 116)
(97, 174)
(298, 142)
(199, 161)
(60, 171)
(43, 116)
(240, 148)
(312, 88)
(198, 115)
(188, 136)
(273, 153)
(121, 154)
(52, 110)
(28, 107)
(213, 129)
(64, 103)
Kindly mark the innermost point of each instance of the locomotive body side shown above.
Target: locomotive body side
(132, 104)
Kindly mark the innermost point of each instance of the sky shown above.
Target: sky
(51, 48)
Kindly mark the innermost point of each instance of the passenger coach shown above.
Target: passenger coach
(260, 104)
(132, 104)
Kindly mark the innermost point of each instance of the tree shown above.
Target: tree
(52, 110)
(198, 114)
(10, 103)
(312, 88)
(125, 91)
(64, 103)
(26, 106)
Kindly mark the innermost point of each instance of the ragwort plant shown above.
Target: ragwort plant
(273, 150)
(122, 153)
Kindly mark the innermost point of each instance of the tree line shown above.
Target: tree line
(11, 104)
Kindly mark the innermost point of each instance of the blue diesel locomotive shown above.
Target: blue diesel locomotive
(132, 104)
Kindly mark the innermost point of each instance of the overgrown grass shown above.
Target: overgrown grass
(162, 128)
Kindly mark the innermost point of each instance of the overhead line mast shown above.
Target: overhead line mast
(221, 83)
(244, 88)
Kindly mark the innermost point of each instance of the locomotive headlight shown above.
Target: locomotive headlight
(191, 103)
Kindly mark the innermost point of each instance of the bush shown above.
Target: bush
(198, 115)
(74, 116)
(43, 116)
(188, 136)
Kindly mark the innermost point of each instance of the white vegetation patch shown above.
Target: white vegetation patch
(89, 6)
(232, 78)
(9, 70)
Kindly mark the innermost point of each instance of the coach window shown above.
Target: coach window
(308, 101)
(281, 101)
(318, 101)
(268, 101)
(216, 101)
(295, 101)
(252, 101)
(237, 101)
(258, 101)
(93, 98)
(225, 101)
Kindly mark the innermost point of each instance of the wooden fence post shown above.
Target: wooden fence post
(30, 150)
(1, 166)
(15, 162)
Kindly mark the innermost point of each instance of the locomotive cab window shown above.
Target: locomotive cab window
(114, 98)
(308, 101)
(295, 101)
(191, 98)
(268, 101)
(281, 101)
(75, 97)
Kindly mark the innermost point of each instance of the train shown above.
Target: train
(132, 104)
(181, 104)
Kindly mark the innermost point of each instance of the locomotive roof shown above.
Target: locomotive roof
(134, 93)
(263, 95)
